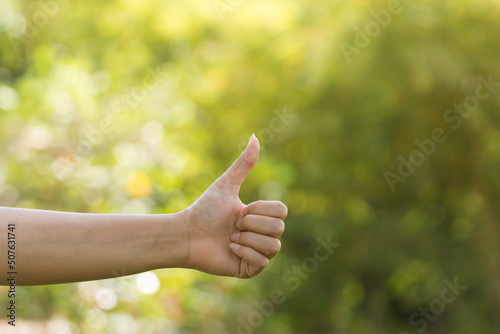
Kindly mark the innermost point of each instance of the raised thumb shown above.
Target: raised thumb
(239, 170)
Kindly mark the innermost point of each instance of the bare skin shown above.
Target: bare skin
(217, 234)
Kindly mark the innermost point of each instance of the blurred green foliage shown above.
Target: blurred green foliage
(85, 126)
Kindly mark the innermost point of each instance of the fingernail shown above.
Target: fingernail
(244, 211)
(234, 246)
(253, 135)
(236, 236)
(238, 223)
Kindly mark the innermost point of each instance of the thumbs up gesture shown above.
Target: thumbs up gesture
(227, 237)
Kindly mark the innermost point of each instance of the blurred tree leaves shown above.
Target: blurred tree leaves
(220, 79)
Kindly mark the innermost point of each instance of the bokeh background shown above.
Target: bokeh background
(128, 106)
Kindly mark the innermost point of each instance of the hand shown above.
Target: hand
(227, 237)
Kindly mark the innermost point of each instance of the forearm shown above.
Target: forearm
(58, 247)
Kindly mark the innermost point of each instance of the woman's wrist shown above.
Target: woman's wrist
(171, 244)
